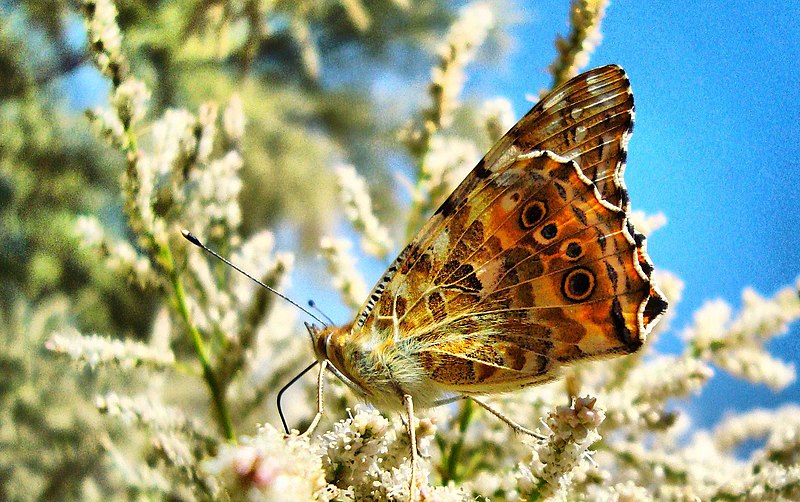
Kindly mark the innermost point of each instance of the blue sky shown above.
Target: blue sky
(716, 147)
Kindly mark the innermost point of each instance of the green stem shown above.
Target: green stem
(217, 396)
(453, 459)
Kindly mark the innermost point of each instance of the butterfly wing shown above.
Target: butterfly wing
(531, 262)
(589, 119)
(546, 277)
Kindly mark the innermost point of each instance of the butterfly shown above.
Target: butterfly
(531, 264)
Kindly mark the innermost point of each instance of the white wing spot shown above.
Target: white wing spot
(580, 133)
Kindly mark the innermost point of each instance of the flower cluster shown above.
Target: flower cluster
(572, 430)
(182, 170)
(446, 163)
(355, 449)
(448, 75)
(119, 255)
(105, 38)
(738, 344)
(357, 207)
(270, 467)
(646, 224)
(94, 350)
(461, 43)
(498, 117)
(574, 50)
(443, 159)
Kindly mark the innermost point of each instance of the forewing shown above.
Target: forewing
(589, 119)
(602, 105)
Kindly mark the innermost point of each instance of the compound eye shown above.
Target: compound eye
(320, 340)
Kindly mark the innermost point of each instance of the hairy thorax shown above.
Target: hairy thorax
(380, 369)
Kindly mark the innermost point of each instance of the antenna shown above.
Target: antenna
(194, 240)
(313, 305)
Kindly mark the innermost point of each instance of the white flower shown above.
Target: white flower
(344, 275)
(103, 34)
(647, 223)
(270, 468)
(173, 139)
(146, 410)
(447, 163)
(573, 429)
(107, 125)
(89, 230)
(207, 119)
(357, 204)
(94, 350)
(458, 49)
(756, 365)
(130, 101)
(497, 115)
(234, 119)
(353, 446)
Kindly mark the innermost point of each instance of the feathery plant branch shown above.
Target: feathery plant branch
(129, 98)
(447, 81)
(217, 391)
(575, 49)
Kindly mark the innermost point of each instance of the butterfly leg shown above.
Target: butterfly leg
(449, 400)
(412, 435)
(323, 365)
(515, 426)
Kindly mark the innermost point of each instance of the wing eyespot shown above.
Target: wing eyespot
(533, 213)
(578, 284)
(549, 231)
(574, 250)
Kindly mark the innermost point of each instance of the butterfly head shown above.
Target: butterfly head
(329, 345)
(326, 341)
(319, 339)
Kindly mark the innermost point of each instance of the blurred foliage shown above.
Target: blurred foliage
(52, 169)
(303, 70)
(53, 456)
